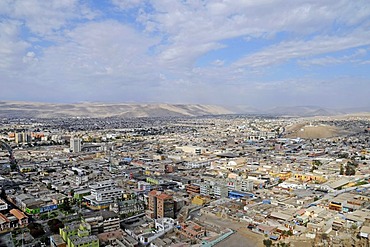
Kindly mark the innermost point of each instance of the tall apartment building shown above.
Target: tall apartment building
(75, 144)
(23, 137)
(165, 206)
(160, 205)
(152, 204)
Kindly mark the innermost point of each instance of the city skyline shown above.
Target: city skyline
(258, 54)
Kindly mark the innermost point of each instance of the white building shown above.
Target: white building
(144, 186)
(162, 226)
(3, 205)
(104, 193)
(214, 189)
(192, 149)
(75, 145)
(24, 137)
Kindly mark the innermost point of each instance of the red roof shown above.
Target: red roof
(18, 214)
(164, 196)
(3, 217)
(153, 193)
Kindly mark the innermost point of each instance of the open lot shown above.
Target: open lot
(242, 237)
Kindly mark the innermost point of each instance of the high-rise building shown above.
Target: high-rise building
(27, 137)
(75, 145)
(152, 204)
(160, 205)
(23, 137)
(18, 137)
(165, 206)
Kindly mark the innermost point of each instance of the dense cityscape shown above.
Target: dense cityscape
(199, 181)
(184, 123)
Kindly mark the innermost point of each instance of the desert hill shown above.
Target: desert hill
(51, 110)
(127, 110)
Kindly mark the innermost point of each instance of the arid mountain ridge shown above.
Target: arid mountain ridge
(131, 110)
(97, 110)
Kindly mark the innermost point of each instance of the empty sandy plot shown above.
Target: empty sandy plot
(242, 237)
(313, 132)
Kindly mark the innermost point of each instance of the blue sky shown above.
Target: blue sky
(260, 54)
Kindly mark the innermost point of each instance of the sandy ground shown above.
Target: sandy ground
(312, 132)
(242, 237)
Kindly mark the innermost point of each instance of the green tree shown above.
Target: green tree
(267, 242)
(343, 156)
(283, 244)
(36, 230)
(316, 163)
(65, 206)
(54, 225)
(341, 171)
(313, 168)
(350, 170)
(13, 167)
(324, 236)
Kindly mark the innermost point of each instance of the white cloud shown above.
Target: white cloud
(218, 62)
(193, 28)
(42, 17)
(30, 57)
(127, 4)
(356, 57)
(12, 48)
(299, 49)
(45, 17)
(97, 53)
(154, 45)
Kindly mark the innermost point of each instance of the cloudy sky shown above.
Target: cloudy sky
(261, 53)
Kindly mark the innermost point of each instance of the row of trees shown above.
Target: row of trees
(348, 169)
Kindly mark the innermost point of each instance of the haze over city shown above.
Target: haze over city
(252, 53)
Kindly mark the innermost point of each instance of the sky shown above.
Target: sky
(250, 53)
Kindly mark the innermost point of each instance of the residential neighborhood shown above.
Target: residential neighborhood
(205, 181)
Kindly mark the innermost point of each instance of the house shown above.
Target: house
(22, 218)
(4, 222)
(365, 232)
(57, 241)
(192, 230)
(265, 229)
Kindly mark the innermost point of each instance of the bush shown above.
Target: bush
(36, 230)
(54, 225)
(267, 242)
